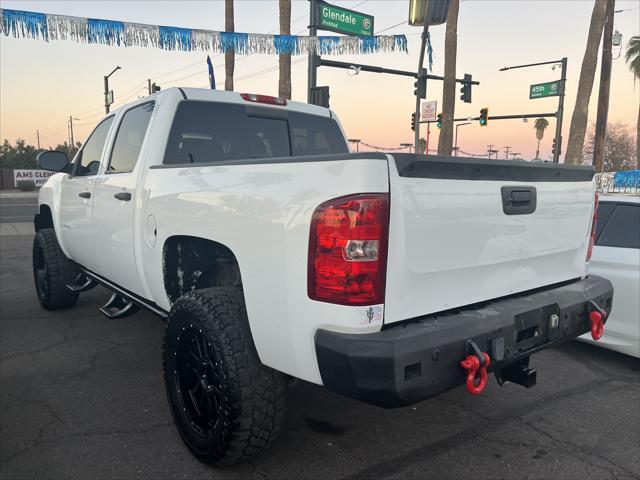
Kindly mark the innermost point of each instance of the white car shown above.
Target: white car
(272, 252)
(616, 256)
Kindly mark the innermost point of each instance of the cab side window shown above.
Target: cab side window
(88, 158)
(129, 138)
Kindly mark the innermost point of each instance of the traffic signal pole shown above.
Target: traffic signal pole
(563, 78)
(314, 59)
(420, 73)
(559, 114)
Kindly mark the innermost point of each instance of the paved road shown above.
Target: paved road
(18, 209)
(82, 397)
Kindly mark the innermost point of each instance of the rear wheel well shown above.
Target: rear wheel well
(43, 219)
(192, 263)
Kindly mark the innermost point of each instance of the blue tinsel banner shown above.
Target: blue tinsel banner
(106, 32)
(285, 44)
(21, 24)
(174, 38)
(25, 24)
(627, 179)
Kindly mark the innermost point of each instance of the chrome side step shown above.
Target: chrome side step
(119, 307)
(82, 283)
(115, 307)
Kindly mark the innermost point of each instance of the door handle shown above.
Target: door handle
(126, 196)
(85, 194)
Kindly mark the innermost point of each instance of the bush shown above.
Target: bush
(26, 185)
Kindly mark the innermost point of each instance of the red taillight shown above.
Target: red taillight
(348, 250)
(252, 97)
(592, 238)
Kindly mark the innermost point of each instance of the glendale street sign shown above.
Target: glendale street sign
(541, 90)
(343, 20)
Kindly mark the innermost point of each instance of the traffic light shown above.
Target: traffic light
(413, 121)
(466, 89)
(420, 87)
(554, 146)
(439, 122)
(484, 117)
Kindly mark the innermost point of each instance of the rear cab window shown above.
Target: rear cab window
(214, 131)
(619, 225)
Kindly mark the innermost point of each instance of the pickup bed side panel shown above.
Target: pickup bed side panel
(262, 213)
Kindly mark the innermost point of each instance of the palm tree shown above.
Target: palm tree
(540, 126)
(284, 83)
(585, 85)
(229, 56)
(445, 140)
(633, 59)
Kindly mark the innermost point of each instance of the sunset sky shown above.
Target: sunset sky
(41, 84)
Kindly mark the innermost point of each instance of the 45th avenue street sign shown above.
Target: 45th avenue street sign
(548, 89)
(343, 20)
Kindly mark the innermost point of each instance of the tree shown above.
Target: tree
(422, 146)
(284, 83)
(619, 149)
(229, 56)
(633, 59)
(540, 126)
(445, 140)
(585, 85)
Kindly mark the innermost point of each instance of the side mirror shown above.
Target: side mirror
(54, 160)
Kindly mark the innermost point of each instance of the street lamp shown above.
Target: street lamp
(407, 145)
(357, 142)
(108, 101)
(459, 125)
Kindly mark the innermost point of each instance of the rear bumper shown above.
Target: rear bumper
(419, 359)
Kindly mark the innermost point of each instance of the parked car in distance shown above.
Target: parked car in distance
(616, 256)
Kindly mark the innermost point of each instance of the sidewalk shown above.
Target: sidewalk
(20, 228)
(18, 194)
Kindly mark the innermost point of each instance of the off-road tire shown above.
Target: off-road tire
(251, 403)
(52, 272)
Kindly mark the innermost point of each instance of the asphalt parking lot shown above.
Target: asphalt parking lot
(82, 397)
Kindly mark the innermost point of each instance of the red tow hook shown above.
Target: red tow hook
(471, 364)
(597, 327)
(597, 316)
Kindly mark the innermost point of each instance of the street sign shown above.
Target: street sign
(108, 98)
(429, 110)
(343, 20)
(541, 90)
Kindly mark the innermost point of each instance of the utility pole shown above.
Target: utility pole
(149, 85)
(71, 143)
(490, 150)
(506, 155)
(314, 59)
(605, 87)
(38, 137)
(357, 142)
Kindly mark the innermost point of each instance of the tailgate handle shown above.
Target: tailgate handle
(519, 200)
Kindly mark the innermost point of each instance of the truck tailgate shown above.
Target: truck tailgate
(463, 231)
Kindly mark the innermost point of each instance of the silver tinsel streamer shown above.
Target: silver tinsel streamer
(67, 28)
(140, 35)
(202, 40)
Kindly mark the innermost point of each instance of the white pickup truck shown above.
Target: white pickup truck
(272, 252)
